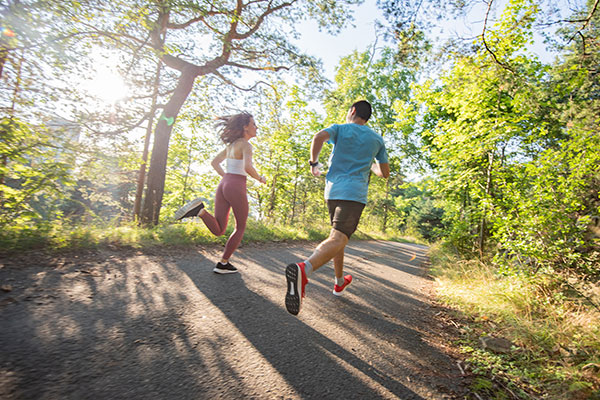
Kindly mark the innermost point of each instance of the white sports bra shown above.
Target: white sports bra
(235, 166)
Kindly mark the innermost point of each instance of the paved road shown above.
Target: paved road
(160, 325)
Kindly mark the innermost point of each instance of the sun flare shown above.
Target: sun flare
(105, 83)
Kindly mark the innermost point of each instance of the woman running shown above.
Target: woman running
(236, 131)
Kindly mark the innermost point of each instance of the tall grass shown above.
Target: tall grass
(552, 319)
(60, 235)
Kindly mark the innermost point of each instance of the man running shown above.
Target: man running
(355, 145)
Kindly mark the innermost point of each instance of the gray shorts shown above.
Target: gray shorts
(345, 215)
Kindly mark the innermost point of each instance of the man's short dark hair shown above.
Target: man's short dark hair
(363, 109)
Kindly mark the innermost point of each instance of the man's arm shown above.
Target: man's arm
(315, 149)
(317, 144)
(382, 170)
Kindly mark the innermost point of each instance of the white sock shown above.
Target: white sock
(308, 269)
(339, 281)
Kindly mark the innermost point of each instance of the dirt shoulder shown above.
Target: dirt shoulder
(159, 323)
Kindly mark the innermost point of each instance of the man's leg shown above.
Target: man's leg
(344, 216)
(341, 281)
(296, 275)
(338, 264)
(329, 248)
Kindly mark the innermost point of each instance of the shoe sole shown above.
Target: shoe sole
(223, 271)
(188, 210)
(293, 295)
(341, 292)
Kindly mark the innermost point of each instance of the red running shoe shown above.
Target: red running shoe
(337, 290)
(296, 281)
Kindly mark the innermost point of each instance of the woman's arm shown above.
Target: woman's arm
(248, 167)
(216, 162)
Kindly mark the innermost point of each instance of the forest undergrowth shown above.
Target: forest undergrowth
(59, 235)
(523, 335)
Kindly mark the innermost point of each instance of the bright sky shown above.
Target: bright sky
(108, 86)
(331, 48)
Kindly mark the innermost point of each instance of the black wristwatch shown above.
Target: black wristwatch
(313, 164)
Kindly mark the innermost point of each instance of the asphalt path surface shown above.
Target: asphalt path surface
(159, 324)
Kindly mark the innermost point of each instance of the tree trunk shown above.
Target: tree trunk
(160, 149)
(137, 205)
(488, 187)
(273, 200)
(465, 200)
(3, 58)
(188, 171)
(385, 205)
(295, 194)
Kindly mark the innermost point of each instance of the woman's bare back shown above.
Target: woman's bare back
(236, 149)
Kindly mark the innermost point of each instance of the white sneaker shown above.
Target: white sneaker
(190, 209)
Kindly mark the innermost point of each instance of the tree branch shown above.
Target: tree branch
(183, 25)
(114, 36)
(176, 63)
(118, 131)
(161, 94)
(158, 32)
(582, 42)
(586, 21)
(229, 82)
(76, 34)
(252, 68)
(260, 20)
(487, 13)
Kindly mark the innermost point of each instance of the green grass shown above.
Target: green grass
(62, 236)
(556, 328)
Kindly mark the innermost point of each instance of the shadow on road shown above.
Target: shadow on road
(320, 362)
(315, 365)
(162, 325)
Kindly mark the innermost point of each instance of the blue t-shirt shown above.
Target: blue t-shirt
(354, 148)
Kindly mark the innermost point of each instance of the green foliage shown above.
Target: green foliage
(61, 234)
(189, 172)
(426, 218)
(515, 162)
(545, 212)
(515, 157)
(35, 170)
(286, 127)
(552, 319)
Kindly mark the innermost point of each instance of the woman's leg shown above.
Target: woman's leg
(235, 193)
(217, 224)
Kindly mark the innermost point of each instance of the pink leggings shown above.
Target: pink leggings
(231, 193)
